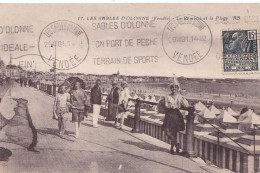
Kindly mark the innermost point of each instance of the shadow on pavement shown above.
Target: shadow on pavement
(4, 154)
(107, 124)
(86, 124)
(16, 130)
(139, 157)
(145, 146)
(55, 132)
(100, 122)
(3, 121)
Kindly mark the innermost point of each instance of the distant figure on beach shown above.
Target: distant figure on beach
(113, 99)
(78, 100)
(95, 100)
(174, 121)
(123, 104)
(61, 109)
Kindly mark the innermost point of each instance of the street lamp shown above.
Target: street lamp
(54, 70)
(10, 81)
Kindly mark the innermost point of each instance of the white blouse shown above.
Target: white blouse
(175, 101)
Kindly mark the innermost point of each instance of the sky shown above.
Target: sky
(128, 40)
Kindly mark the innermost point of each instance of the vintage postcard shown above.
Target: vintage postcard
(102, 88)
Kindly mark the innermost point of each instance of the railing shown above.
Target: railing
(136, 128)
(138, 102)
(256, 127)
(218, 140)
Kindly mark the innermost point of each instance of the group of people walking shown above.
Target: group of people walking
(80, 103)
(24, 81)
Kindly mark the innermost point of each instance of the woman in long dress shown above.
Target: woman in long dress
(174, 121)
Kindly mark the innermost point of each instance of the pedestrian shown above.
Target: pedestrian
(61, 109)
(21, 82)
(123, 104)
(77, 100)
(113, 100)
(173, 120)
(30, 82)
(87, 104)
(95, 100)
(25, 81)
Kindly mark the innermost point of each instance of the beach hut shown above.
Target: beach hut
(214, 110)
(247, 121)
(227, 118)
(204, 126)
(199, 106)
(233, 113)
(206, 113)
(245, 115)
(229, 127)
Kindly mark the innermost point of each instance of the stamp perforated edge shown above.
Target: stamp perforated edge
(222, 58)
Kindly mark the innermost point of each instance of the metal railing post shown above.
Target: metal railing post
(54, 90)
(50, 89)
(254, 148)
(218, 164)
(190, 135)
(136, 128)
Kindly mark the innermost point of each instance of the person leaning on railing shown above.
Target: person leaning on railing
(173, 121)
(123, 104)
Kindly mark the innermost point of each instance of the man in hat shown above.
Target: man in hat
(123, 103)
(95, 100)
(113, 99)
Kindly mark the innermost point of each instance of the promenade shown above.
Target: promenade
(97, 150)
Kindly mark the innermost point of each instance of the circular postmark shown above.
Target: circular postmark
(63, 43)
(186, 39)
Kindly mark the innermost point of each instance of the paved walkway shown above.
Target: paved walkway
(104, 149)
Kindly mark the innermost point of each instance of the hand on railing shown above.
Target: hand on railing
(191, 110)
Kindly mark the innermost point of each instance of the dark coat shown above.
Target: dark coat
(95, 96)
(114, 96)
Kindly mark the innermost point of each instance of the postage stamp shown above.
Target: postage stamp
(64, 43)
(240, 51)
(187, 39)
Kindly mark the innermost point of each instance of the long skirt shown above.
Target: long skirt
(173, 121)
(112, 112)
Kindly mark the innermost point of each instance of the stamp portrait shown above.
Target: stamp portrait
(240, 52)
